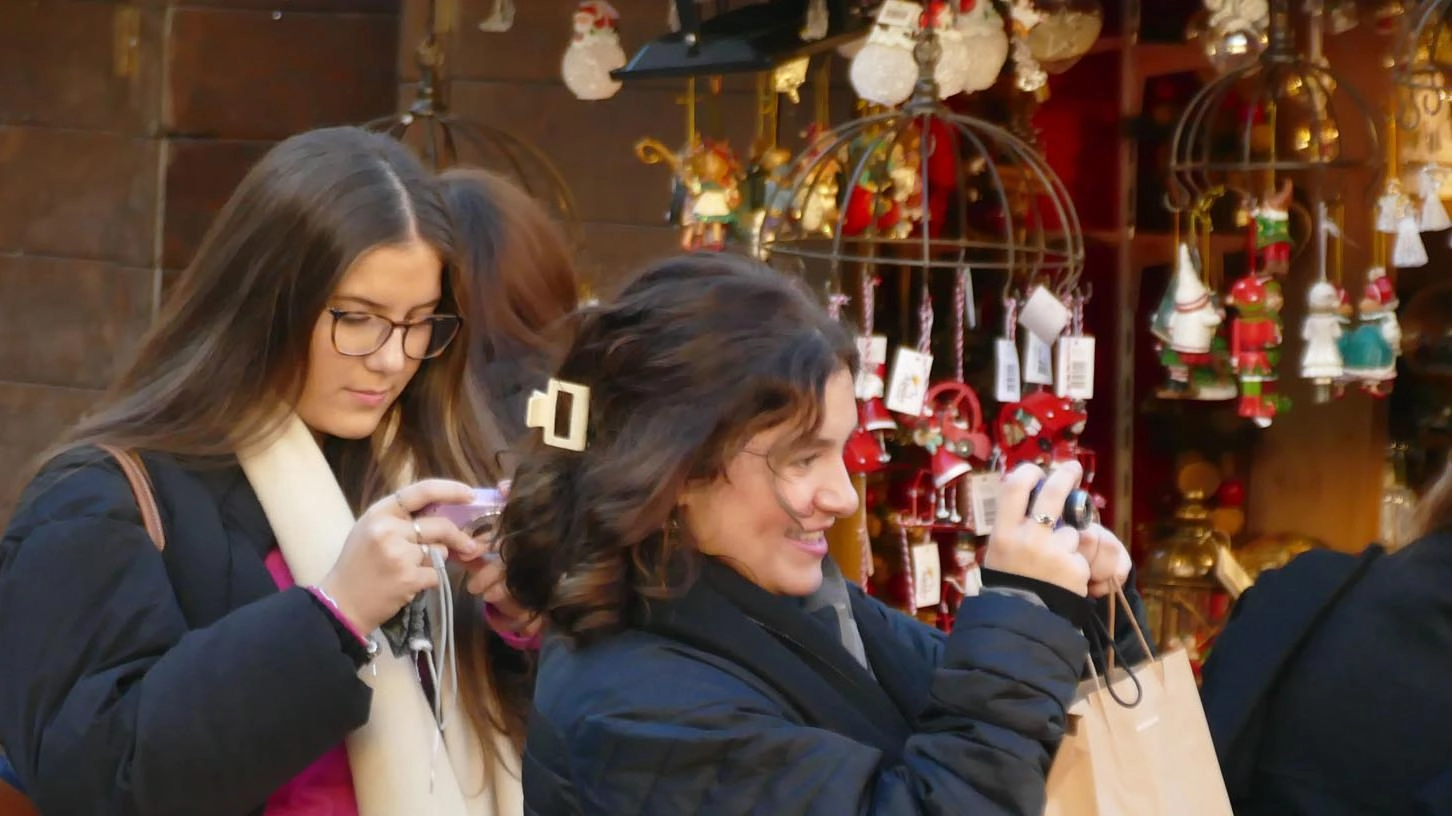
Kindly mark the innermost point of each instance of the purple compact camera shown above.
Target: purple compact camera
(479, 517)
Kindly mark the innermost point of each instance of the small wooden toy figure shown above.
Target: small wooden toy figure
(1255, 347)
(1370, 350)
(1273, 232)
(713, 181)
(1321, 361)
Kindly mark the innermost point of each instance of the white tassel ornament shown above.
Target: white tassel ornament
(1429, 188)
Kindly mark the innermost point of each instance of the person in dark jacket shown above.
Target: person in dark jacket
(1327, 692)
(705, 655)
(309, 361)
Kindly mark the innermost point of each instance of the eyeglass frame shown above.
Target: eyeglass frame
(394, 325)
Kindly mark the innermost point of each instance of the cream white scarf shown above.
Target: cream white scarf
(392, 757)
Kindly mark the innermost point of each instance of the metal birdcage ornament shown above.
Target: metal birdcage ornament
(1422, 62)
(438, 134)
(1285, 113)
(923, 187)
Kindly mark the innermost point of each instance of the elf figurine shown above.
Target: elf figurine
(1273, 233)
(1255, 347)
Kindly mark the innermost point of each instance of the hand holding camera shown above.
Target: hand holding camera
(387, 558)
(1031, 537)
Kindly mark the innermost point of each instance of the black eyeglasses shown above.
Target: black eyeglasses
(359, 334)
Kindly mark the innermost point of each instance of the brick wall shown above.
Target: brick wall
(122, 127)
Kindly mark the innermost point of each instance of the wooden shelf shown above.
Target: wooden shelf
(1155, 248)
(1157, 59)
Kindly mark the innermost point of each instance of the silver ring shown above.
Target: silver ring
(418, 534)
(1045, 519)
(428, 552)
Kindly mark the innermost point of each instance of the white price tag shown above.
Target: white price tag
(1007, 386)
(1075, 377)
(1044, 315)
(873, 353)
(1038, 361)
(908, 385)
(983, 501)
(927, 575)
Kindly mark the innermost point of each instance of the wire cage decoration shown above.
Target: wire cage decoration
(1285, 113)
(438, 134)
(923, 187)
(1421, 62)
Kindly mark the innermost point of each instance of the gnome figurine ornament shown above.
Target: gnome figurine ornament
(594, 52)
(1255, 347)
(1185, 325)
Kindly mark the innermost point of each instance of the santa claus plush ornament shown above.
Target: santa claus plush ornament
(594, 52)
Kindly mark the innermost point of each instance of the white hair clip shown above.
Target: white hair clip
(544, 410)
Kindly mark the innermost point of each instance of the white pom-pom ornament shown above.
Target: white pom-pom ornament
(985, 41)
(884, 71)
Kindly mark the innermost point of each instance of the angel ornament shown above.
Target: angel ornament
(1429, 189)
(1321, 361)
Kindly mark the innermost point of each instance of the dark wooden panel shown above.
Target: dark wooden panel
(58, 67)
(246, 75)
(200, 176)
(388, 7)
(75, 318)
(78, 194)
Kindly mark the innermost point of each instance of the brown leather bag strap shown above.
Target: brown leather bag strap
(135, 471)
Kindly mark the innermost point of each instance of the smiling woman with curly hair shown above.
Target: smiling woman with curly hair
(706, 653)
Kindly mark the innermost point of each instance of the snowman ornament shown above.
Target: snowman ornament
(594, 52)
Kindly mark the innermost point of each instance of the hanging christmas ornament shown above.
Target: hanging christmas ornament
(986, 42)
(1321, 361)
(1255, 347)
(1429, 189)
(1389, 206)
(708, 179)
(1042, 428)
(954, 62)
(1273, 232)
(1370, 350)
(1343, 16)
(789, 77)
(500, 19)
(1235, 33)
(1029, 76)
(594, 52)
(1408, 251)
(884, 71)
(814, 25)
(1186, 324)
(1065, 31)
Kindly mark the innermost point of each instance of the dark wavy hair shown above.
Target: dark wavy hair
(696, 356)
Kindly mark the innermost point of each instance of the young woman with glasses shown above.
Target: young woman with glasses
(306, 375)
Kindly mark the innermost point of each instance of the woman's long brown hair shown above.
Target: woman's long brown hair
(524, 281)
(693, 358)
(523, 284)
(228, 355)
